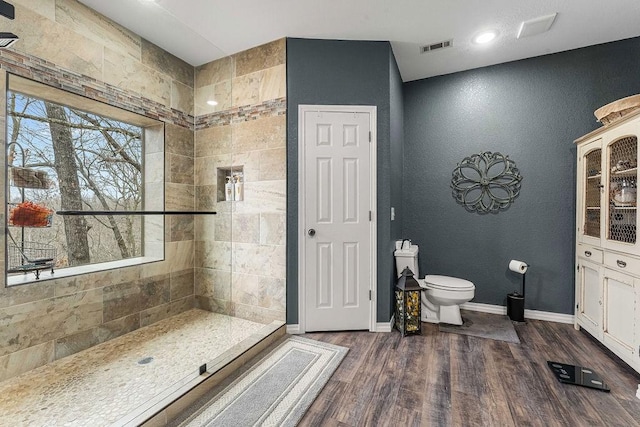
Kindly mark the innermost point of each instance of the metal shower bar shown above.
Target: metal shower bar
(78, 213)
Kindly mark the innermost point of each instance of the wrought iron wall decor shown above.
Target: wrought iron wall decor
(486, 182)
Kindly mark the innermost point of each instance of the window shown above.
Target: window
(68, 153)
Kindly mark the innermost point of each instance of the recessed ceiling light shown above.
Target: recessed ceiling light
(485, 37)
(212, 102)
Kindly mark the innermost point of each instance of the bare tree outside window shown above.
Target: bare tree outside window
(93, 163)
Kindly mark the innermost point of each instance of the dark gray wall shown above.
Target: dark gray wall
(348, 73)
(531, 110)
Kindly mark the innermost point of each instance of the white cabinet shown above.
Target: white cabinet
(589, 297)
(607, 247)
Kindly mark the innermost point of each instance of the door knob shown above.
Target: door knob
(311, 232)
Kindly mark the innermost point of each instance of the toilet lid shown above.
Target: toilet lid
(447, 282)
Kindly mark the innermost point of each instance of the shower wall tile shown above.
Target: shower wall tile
(257, 314)
(223, 227)
(273, 84)
(260, 57)
(180, 255)
(26, 325)
(273, 228)
(213, 283)
(218, 92)
(266, 292)
(90, 24)
(205, 227)
(216, 139)
(180, 169)
(46, 8)
(182, 284)
(179, 140)
(245, 90)
(129, 74)
(259, 260)
(181, 227)
(213, 304)
(263, 196)
(41, 38)
(75, 343)
(160, 60)
(250, 163)
(161, 312)
(207, 168)
(179, 197)
(129, 298)
(213, 72)
(25, 360)
(245, 228)
(273, 164)
(213, 255)
(182, 97)
(260, 134)
(72, 285)
(24, 294)
(258, 87)
(207, 199)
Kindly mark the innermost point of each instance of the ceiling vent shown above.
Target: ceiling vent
(536, 26)
(436, 46)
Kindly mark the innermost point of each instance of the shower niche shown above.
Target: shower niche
(230, 182)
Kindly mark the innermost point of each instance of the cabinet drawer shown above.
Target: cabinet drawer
(589, 252)
(622, 263)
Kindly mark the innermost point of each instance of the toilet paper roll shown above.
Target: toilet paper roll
(518, 266)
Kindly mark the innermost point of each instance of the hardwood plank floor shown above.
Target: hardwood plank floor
(442, 379)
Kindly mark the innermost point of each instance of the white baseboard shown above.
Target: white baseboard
(293, 329)
(385, 326)
(528, 314)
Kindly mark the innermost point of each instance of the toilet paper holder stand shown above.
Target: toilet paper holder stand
(515, 300)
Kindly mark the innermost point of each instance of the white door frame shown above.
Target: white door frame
(372, 110)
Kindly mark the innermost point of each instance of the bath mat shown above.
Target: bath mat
(276, 391)
(484, 325)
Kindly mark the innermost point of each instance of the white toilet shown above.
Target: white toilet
(442, 295)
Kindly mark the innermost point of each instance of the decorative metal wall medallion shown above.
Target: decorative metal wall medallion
(486, 182)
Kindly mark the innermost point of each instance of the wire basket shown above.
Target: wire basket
(30, 256)
(28, 214)
(29, 178)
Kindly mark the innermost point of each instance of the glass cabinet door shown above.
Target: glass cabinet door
(592, 190)
(622, 200)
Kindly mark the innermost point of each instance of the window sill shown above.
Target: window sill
(29, 277)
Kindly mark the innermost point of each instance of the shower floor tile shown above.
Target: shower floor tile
(102, 385)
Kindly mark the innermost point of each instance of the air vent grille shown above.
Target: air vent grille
(436, 46)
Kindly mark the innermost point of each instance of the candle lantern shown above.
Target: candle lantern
(407, 316)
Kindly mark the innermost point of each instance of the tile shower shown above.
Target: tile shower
(232, 263)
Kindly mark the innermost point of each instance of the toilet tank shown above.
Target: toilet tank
(407, 256)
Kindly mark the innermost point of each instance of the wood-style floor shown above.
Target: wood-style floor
(442, 379)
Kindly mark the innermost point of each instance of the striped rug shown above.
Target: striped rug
(276, 391)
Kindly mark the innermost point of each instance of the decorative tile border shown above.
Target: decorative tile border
(273, 107)
(43, 71)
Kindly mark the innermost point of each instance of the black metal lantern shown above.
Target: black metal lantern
(408, 304)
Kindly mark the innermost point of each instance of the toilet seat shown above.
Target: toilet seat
(447, 283)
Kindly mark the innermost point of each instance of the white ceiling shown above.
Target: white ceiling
(199, 31)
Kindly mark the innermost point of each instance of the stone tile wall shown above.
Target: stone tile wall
(240, 254)
(64, 44)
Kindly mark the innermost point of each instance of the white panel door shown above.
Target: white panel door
(337, 220)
